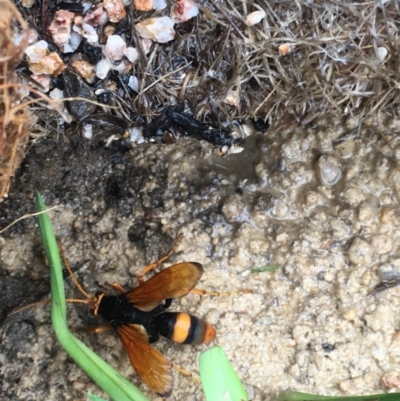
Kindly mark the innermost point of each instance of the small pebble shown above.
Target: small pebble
(115, 47)
(115, 10)
(391, 379)
(329, 170)
(377, 353)
(382, 244)
(103, 67)
(360, 252)
(131, 54)
(184, 10)
(160, 29)
(350, 314)
(255, 17)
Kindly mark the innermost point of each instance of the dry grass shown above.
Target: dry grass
(15, 116)
(334, 67)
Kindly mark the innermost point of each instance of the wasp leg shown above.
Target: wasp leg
(154, 265)
(186, 373)
(116, 286)
(95, 329)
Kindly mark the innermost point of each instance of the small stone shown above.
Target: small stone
(353, 195)
(377, 353)
(232, 98)
(366, 278)
(350, 314)
(87, 131)
(143, 5)
(27, 3)
(115, 47)
(184, 10)
(390, 216)
(389, 271)
(382, 244)
(365, 212)
(115, 9)
(103, 67)
(133, 83)
(160, 29)
(311, 198)
(44, 80)
(159, 4)
(40, 61)
(233, 209)
(360, 252)
(60, 27)
(329, 170)
(131, 54)
(85, 70)
(382, 53)
(391, 379)
(97, 16)
(255, 17)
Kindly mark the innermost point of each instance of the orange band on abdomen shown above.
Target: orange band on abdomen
(181, 328)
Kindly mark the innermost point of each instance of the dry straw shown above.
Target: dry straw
(15, 116)
(305, 58)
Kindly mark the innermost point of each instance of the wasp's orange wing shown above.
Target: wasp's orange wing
(149, 364)
(173, 282)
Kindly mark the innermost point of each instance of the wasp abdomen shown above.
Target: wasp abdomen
(183, 328)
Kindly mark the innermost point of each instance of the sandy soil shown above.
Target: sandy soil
(320, 201)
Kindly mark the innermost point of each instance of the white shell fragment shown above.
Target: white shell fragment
(160, 29)
(115, 47)
(41, 61)
(136, 134)
(133, 83)
(131, 54)
(103, 67)
(115, 9)
(382, 53)
(329, 170)
(255, 17)
(87, 131)
(60, 27)
(184, 10)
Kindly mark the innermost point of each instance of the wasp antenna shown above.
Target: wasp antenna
(46, 301)
(71, 273)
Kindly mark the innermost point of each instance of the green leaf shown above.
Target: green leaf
(220, 381)
(93, 397)
(269, 268)
(115, 385)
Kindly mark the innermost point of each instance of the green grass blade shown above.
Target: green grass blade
(269, 268)
(296, 396)
(219, 380)
(115, 385)
(93, 397)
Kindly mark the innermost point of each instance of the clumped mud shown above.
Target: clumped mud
(320, 201)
